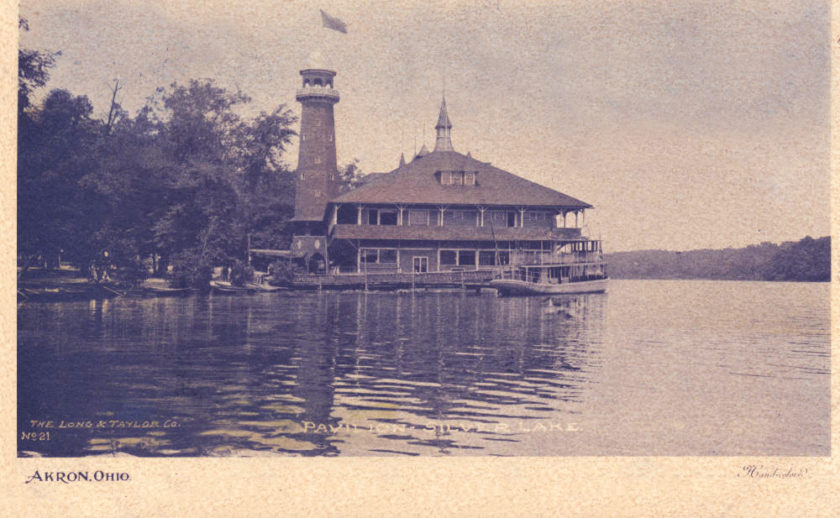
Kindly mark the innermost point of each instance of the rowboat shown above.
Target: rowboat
(225, 288)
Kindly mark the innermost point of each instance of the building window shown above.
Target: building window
(418, 217)
(445, 177)
(387, 217)
(448, 257)
(347, 215)
(457, 178)
(421, 264)
(487, 258)
(369, 255)
(373, 217)
(469, 178)
(379, 256)
(466, 258)
(460, 217)
(387, 256)
(511, 219)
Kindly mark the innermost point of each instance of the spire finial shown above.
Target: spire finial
(443, 126)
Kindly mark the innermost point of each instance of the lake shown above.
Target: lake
(649, 368)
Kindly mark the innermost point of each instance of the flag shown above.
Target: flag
(333, 23)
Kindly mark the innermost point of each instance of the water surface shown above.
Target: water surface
(650, 368)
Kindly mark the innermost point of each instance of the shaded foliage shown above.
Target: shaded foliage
(240, 273)
(186, 181)
(33, 70)
(283, 272)
(350, 175)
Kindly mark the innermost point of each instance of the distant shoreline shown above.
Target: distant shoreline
(616, 278)
(806, 260)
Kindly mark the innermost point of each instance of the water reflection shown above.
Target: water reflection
(306, 373)
(652, 368)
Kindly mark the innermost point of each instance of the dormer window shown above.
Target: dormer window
(457, 177)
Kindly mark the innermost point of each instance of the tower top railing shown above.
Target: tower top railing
(317, 92)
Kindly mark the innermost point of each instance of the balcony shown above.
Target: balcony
(452, 233)
(317, 92)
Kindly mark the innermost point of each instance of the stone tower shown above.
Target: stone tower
(317, 171)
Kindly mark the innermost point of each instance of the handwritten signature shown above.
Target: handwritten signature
(753, 471)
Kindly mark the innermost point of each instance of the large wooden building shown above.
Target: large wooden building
(441, 211)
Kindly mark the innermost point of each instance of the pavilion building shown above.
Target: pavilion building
(441, 211)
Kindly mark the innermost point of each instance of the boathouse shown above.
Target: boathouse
(441, 211)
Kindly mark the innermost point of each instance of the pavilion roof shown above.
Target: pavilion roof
(417, 183)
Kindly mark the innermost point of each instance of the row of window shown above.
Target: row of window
(452, 217)
(447, 257)
(468, 257)
(379, 255)
(457, 177)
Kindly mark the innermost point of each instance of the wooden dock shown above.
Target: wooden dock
(474, 279)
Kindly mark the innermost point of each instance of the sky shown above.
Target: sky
(687, 123)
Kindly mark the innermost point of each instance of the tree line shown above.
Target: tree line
(185, 182)
(808, 259)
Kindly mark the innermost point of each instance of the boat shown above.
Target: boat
(262, 288)
(577, 268)
(160, 291)
(72, 292)
(227, 288)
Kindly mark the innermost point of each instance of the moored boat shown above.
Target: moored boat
(159, 291)
(227, 288)
(262, 287)
(580, 269)
(521, 287)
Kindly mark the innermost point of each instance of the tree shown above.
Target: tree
(350, 175)
(268, 183)
(186, 180)
(56, 149)
(227, 179)
(33, 70)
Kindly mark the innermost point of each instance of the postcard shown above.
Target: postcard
(344, 255)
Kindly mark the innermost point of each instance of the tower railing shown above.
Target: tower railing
(311, 91)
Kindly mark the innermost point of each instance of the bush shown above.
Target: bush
(240, 273)
(282, 272)
(132, 273)
(190, 270)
